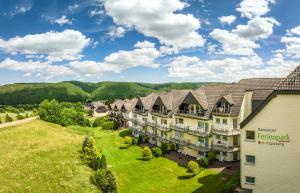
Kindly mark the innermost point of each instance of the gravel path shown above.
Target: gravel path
(9, 124)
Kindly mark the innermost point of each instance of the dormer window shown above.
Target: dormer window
(222, 107)
(139, 108)
(191, 109)
(159, 109)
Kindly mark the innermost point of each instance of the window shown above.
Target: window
(224, 121)
(224, 138)
(250, 159)
(200, 124)
(218, 136)
(250, 135)
(135, 115)
(163, 121)
(217, 120)
(250, 180)
(179, 121)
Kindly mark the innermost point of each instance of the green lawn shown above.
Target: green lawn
(43, 157)
(157, 175)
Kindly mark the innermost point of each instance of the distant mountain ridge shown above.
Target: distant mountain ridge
(74, 91)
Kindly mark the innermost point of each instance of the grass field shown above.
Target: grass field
(43, 157)
(13, 115)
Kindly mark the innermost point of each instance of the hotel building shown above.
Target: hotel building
(198, 121)
(270, 145)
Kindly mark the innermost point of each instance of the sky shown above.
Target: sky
(153, 41)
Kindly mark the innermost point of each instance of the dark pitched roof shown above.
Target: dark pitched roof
(130, 104)
(261, 95)
(148, 101)
(291, 82)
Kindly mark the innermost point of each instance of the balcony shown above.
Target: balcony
(221, 111)
(180, 127)
(164, 127)
(225, 147)
(159, 113)
(151, 134)
(199, 147)
(163, 139)
(190, 114)
(141, 112)
(152, 123)
(223, 131)
(142, 123)
(201, 132)
(179, 140)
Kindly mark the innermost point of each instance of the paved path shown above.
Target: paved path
(2, 125)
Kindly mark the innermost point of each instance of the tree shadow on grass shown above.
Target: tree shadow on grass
(211, 183)
(185, 177)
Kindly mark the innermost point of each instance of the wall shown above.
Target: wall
(277, 167)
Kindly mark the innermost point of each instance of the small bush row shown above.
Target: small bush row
(103, 178)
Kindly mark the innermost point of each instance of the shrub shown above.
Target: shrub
(124, 146)
(203, 162)
(147, 153)
(164, 148)
(35, 111)
(193, 167)
(157, 152)
(103, 162)
(21, 110)
(19, 116)
(98, 162)
(99, 121)
(125, 132)
(105, 180)
(108, 125)
(8, 118)
(135, 141)
(89, 149)
(211, 156)
(128, 140)
(95, 163)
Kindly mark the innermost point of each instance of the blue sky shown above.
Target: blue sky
(147, 41)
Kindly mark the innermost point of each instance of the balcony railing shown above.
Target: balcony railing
(223, 131)
(179, 140)
(201, 132)
(152, 123)
(163, 139)
(159, 112)
(151, 134)
(180, 127)
(199, 147)
(164, 127)
(221, 111)
(139, 111)
(191, 114)
(225, 147)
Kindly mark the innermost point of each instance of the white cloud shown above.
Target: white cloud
(96, 12)
(254, 8)
(66, 45)
(20, 9)
(295, 31)
(256, 28)
(144, 54)
(229, 69)
(292, 46)
(242, 39)
(45, 69)
(232, 44)
(157, 18)
(227, 19)
(116, 32)
(73, 7)
(62, 21)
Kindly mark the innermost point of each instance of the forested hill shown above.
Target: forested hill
(73, 91)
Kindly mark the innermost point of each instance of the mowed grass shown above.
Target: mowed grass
(157, 175)
(42, 157)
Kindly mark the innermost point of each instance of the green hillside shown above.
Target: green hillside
(73, 91)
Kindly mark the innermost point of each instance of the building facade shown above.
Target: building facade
(198, 121)
(270, 154)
